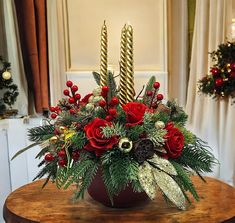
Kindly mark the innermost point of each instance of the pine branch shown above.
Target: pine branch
(115, 129)
(86, 181)
(23, 150)
(41, 133)
(149, 87)
(96, 77)
(197, 157)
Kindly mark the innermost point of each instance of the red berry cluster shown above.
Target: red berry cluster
(55, 111)
(61, 157)
(155, 97)
(108, 106)
(74, 98)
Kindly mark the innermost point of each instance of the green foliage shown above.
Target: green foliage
(149, 87)
(86, 181)
(134, 132)
(224, 55)
(96, 77)
(115, 129)
(41, 133)
(78, 140)
(49, 170)
(177, 113)
(121, 118)
(197, 157)
(112, 85)
(189, 137)
(157, 136)
(184, 181)
(9, 90)
(119, 170)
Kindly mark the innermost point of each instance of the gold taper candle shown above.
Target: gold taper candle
(130, 92)
(122, 94)
(104, 56)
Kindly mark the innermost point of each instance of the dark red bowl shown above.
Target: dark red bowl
(125, 199)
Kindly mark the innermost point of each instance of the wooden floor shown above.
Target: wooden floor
(30, 203)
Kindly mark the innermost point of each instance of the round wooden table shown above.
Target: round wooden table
(31, 203)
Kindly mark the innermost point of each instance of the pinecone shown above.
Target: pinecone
(143, 150)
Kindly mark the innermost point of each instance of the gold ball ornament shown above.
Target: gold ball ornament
(62, 129)
(6, 75)
(159, 125)
(228, 65)
(125, 145)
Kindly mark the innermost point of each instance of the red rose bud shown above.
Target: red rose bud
(61, 153)
(114, 101)
(149, 93)
(232, 66)
(62, 163)
(72, 111)
(53, 115)
(74, 88)
(77, 96)
(102, 103)
(49, 157)
(219, 82)
(71, 100)
(159, 97)
(113, 112)
(215, 71)
(156, 85)
(66, 92)
(109, 118)
(69, 83)
(52, 109)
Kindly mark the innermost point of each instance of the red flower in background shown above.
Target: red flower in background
(97, 142)
(135, 113)
(174, 141)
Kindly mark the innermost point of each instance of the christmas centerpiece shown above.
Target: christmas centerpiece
(8, 90)
(220, 83)
(121, 147)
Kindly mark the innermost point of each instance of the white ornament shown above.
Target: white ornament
(96, 99)
(90, 100)
(6, 75)
(90, 107)
(97, 91)
(159, 125)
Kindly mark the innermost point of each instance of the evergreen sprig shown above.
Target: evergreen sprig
(41, 133)
(197, 157)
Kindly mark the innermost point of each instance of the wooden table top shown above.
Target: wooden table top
(31, 203)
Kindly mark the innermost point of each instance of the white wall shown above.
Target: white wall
(74, 28)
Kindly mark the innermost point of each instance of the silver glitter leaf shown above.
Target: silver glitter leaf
(163, 164)
(170, 188)
(146, 180)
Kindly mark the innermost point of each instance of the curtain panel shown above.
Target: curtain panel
(31, 16)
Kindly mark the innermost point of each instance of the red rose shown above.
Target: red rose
(135, 113)
(97, 142)
(174, 141)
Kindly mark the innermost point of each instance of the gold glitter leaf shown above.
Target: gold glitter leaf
(170, 188)
(146, 180)
(163, 164)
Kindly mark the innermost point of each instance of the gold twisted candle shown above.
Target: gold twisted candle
(129, 65)
(122, 94)
(103, 56)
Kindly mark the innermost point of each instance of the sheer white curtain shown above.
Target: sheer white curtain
(213, 121)
(15, 57)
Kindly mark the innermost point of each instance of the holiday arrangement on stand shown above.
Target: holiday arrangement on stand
(8, 90)
(132, 141)
(220, 82)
